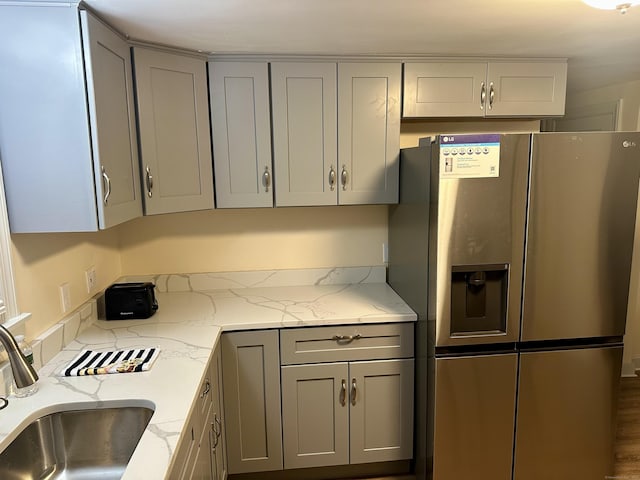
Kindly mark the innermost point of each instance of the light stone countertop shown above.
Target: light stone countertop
(187, 328)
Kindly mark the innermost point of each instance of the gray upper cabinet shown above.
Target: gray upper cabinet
(67, 138)
(241, 125)
(304, 133)
(173, 121)
(368, 132)
(336, 132)
(484, 89)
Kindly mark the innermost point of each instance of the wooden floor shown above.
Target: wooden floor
(627, 450)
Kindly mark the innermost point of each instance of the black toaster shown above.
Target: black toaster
(124, 301)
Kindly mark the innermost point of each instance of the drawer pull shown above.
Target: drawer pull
(353, 391)
(343, 393)
(346, 338)
(214, 439)
(207, 389)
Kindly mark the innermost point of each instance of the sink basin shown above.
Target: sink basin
(75, 445)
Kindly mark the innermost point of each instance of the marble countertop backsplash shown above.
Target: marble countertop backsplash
(193, 312)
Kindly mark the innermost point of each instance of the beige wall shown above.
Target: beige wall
(254, 239)
(42, 262)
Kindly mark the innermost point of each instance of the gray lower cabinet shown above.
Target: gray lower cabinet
(251, 390)
(354, 403)
(241, 130)
(216, 432)
(68, 137)
(173, 124)
(347, 413)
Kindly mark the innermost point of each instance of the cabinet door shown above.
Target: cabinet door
(304, 133)
(526, 88)
(241, 121)
(381, 416)
(369, 132)
(173, 120)
(112, 118)
(217, 427)
(251, 390)
(444, 89)
(315, 415)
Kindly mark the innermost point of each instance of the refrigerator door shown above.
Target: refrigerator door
(479, 225)
(566, 414)
(474, 417)
(582, 208)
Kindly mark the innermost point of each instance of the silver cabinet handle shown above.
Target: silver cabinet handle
(483, 95)
(219, 424)
(214, 441)
(491, 95)
(354, 391)
(266, 179)
(343, 393)
(346, 338)
(344, 176)
(149, 182)
(207, 389)
(332, 178)
(107, 185)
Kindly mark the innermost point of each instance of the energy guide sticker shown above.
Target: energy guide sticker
(470, 156)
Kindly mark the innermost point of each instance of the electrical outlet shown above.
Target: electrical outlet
(90, 277)
(65, 297)
(385, 253)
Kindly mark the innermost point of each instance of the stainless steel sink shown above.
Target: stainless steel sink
(75, 445)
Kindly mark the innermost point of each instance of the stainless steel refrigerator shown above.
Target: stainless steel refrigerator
(515, 251)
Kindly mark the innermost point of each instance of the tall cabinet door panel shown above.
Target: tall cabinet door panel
(304, 133)
(444, 89)
(474, 417)
(240, 119)
(381, 422)
(522, 88)
(315, 415)
(173, 119)
(112, 118)
(251, 389)
(369, 132)
(566, 414)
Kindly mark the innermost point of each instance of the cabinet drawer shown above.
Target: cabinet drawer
(346, 343)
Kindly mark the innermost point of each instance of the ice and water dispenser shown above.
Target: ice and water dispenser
(479, 299)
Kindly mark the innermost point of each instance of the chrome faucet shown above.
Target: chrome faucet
(23, 372)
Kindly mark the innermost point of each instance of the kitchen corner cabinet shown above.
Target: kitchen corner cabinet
(241, 129)
(251, 389)
(484, 89)
(336, 132)
(348, 411)
(68, 138)
(173, 123)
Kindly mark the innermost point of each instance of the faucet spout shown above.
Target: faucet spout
(23, 372)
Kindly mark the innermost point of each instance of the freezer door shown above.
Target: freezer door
(474, 417)
(566, 414)
(582, 208)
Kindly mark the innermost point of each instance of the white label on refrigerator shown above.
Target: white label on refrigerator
(470, 156)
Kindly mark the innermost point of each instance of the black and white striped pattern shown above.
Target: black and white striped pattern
(89, 362)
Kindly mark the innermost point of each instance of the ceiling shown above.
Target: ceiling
(603, 47)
